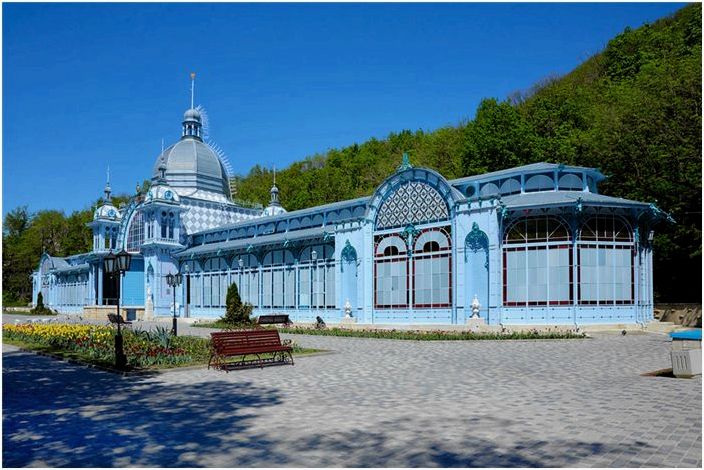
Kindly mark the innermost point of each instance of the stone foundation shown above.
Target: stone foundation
(100, 312)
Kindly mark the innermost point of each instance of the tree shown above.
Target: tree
(236, 312)
(16, 222)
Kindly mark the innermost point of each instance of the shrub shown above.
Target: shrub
(40, 309)
(236, 312)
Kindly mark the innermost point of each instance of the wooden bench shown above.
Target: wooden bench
(273, 319)
(115, 319)
(247, 342)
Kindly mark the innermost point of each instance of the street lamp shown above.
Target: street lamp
(118, 264)
(314, 277)
(174, 280)
(187, 269)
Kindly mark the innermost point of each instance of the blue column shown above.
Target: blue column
(100, 284)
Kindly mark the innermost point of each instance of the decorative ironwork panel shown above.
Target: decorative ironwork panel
(412, 203)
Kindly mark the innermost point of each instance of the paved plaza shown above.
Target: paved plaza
(368, 403)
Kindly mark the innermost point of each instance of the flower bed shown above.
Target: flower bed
(96, 344)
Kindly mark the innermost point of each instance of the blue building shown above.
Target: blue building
(530, 245)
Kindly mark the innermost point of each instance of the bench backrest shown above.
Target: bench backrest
(245, 339)
(114, 318)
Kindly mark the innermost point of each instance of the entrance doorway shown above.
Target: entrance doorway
(111, 288)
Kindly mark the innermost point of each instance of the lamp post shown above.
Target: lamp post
(314, 278)
(240, 263)
(118, 264)
(174, 280)
(187, 286)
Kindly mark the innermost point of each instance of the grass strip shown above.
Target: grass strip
(418, 335)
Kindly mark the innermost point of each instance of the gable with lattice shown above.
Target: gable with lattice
(412, 203)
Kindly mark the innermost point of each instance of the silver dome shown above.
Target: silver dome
(190, 165)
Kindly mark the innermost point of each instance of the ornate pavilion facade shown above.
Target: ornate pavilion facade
(535, 244)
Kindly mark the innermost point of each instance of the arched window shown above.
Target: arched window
(390, 251)
(429, 247)
(391, 273)
(108, 239)
(432, 269)
(421, 279)
(164, 225)
(171, 225)
(605, 258)
(537, 260)
(135, 234)
(412, 203)
(149, 226)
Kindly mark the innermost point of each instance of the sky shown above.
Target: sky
(87, 86)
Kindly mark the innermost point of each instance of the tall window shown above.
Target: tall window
(150, 225)
(537, 263)
(248, 278)
(606, 262)
(391, 272)
(171, 225)
(317, 277)
(135, 234)
(422, 279)
(164, 225)
(274, 280)
(432, 270)
(215, 282)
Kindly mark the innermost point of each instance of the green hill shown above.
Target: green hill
(633, 110)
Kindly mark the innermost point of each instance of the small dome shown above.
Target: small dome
(192, 115)
(273, 210)
(107, 211)
(162, 192)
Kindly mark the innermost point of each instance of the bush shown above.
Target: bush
(236, 312)
(40, 309)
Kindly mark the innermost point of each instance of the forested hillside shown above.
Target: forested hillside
(633, 110)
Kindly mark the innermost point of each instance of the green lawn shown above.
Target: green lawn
(416, 335)
(28, 313)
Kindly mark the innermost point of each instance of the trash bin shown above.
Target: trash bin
(686, 353)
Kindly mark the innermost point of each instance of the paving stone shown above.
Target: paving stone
(380, 403)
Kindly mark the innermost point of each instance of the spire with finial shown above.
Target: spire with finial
(162, 164)
(405, 163)
(274, 193)
(192, 119)
(107, 189)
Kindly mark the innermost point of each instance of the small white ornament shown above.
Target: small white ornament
(475, 307)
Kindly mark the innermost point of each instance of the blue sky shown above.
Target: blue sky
(91, 85)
